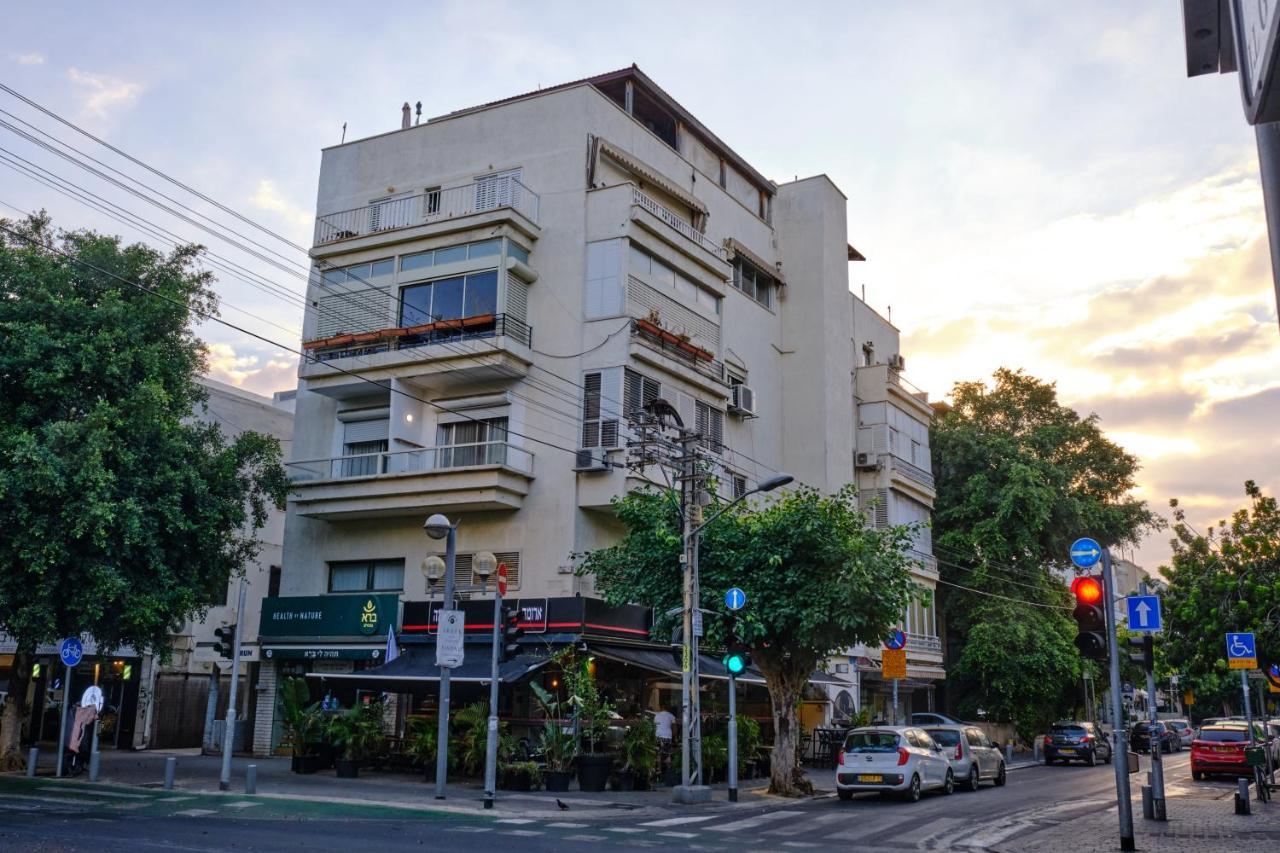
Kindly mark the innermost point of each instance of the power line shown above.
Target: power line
(1003, 597)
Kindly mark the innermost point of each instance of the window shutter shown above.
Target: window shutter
(462, 576)
(877, 515)
(512, 559)
(355, 432)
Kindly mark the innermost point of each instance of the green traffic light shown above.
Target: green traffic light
(735, 663)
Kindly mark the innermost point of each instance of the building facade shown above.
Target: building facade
(497, 289)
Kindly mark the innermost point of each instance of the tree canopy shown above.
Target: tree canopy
(1019, 477)
(818, 581)
(121, 515)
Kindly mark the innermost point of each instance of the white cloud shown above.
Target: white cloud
(28, 58)
(268, 198)
(103, 93)
(277, 373)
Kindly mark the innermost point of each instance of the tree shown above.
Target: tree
(120, 514)
(1019, 477)
(1225, 580)
(818, 580)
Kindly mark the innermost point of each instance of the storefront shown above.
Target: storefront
(317, 635)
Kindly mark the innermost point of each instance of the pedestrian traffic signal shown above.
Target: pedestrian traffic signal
(225, 645)
(1145, 652)
(1091, 619)
(511, 633)
(736, 657)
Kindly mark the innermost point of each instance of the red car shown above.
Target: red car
(1220, 749)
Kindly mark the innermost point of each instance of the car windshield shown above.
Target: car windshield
(1223, 735)
(1180, 726)
(871, 742)
(1074, 731)
(945, 737)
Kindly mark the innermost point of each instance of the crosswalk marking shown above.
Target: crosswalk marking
(678, 834)
(625, 829)
(521, 833)
(563, 825)
(469, 828)
(584, 837)
(813, 820)
(798, 844)
(194, 812)
(516, 820)
(677, 821)
(752, 822)
(242, 805)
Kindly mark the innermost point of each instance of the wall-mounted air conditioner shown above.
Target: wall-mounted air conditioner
(866, 460)
(742, 400)
(592, 459)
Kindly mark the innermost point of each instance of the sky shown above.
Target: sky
(1035, 184)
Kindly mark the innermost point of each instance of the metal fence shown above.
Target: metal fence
(669, 217)
(421, 461)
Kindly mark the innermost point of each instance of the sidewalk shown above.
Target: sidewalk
(196, 773)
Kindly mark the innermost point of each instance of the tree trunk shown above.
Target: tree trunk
(785, 680)
(15, 711)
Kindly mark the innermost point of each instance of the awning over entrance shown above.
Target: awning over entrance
(418, 667)
(660, 660)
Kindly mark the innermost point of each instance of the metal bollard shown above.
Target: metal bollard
(170, 768)
(33, 758)
(1008, 751)
(1148, 810)
(251, 779)
(1242, 796)
(94, 762)
(1157, 808)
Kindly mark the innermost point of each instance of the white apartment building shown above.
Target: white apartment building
(497, 287)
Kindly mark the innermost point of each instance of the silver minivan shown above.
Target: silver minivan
(973, 757)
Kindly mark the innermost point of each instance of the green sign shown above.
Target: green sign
(320, 653)
(331, 616)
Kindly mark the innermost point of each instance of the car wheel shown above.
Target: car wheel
(1107, 760)
(972, 782)
(949, 784)
(1197, 775)
(845, 795)
(912, 794)
(1000, 778)
(1091, 759)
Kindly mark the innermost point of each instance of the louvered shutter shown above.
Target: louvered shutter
(591, 409)
(358, 432)
(462, 575)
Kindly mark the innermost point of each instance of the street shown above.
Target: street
(1037, 807)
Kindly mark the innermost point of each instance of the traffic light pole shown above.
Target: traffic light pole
(229, 735)
(491, 747)
(733, 738)
(1157, 747)
(1119, 749)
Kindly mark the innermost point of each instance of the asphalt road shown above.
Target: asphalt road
(45, 817)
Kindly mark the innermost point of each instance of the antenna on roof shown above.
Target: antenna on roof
(344, 132)
(418, 113)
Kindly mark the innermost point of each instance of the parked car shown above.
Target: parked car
(1219, 748)
(1141, 735)
(1183, 729)
(973, 757)
(892, 759)
(932, 719)
(1070, 740)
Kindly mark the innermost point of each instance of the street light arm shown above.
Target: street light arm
(767, 486)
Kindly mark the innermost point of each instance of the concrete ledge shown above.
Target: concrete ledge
(690, 794)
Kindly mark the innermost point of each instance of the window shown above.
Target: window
(273, 582)
(364, 275)
(366, 576)
(604, 279)
(455, 254)
(868, 354)
(976, 737)
(464, 576)
(431, 201)
(451, 255)
(471, 443)
(739, 486)
(453, 298)
(601, 420)
(753, 281)
(501, 189)
(520, 253)
(638, 391)
(710, 423)
(655, 271)
(364, 442)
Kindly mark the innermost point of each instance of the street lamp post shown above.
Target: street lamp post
(484, 564)
(438, 527)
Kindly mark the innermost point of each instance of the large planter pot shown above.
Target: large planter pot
(347, 768)
(307, 763)
(557, 780)
(626, 780)
(517, 781)
(671, 778)
(593, 772)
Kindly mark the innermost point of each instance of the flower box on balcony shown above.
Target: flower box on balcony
(366, 337)
(649, 327)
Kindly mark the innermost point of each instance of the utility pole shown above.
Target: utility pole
(690, 723)
(229, 736)
(491, 745)
(1119, 746)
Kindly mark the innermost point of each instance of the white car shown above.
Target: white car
(898, 759)
(973, 758)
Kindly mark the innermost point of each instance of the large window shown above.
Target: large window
(604, 279)
(656, 271)
(362, 275)
(363, 442)
(366, 576)
(479, 442)
(448, 255)
(453, 298)
(753, 281)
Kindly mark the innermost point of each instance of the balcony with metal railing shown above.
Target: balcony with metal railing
(923, 564)
(673, 221)
(460, 477)
(690, 355)
(435, 205)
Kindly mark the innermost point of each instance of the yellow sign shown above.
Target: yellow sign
(1271, 688)
(893, 663)
(1188, 698)
(1242, 663)
(369, 617)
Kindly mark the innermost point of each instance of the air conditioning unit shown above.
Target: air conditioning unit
(592, 459)
(897, 362)
(742, 400)
(866, 460)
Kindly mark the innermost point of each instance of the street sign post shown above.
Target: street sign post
(893, 665)
(1085, 552)
(1144, 613)
(897, 640)
(735, 599)
(70, 652)
(1242, 651)
(450, 639)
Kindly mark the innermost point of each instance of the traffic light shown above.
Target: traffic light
(736, 655)
(1145, 653)
(511, 633)
(226, 643)
(1091, 619)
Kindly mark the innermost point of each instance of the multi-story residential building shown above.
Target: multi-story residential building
(498, 288)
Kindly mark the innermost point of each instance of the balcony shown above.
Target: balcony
(904, 470)
(504, 192)
(923, 643)
(923, 564)
(448, 478)
(688, 354)
(640, 199)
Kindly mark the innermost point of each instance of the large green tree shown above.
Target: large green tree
(1019, 477)
(818, 580)
(121, 515)
(1223, 580)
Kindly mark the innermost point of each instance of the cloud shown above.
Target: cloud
(103, 93)
(277, 371)
(269, 198)
(28, 58)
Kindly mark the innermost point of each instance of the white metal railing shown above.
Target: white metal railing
(923, 642)
(912, 472)
(669, 217)
(430, 206)
(422, 461)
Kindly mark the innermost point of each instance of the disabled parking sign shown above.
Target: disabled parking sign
(1242, 651)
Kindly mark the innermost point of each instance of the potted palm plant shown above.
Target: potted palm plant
(355, 736)
(715, 755)
(303, 724)
(593, 715)
(639, 756)
(520, 776)
(554, 743)
(421, 745)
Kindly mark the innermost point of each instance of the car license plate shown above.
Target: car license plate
(862, 777)
(1068, 751)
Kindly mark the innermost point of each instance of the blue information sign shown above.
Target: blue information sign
(71, 650)
(1242, 651)
(735, 599)
(1085, 552)
(896, 640)
(1144, 613)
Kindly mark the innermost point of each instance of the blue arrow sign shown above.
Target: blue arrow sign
(71, 651)
(1144, 613)
(735, 599)
(897, 640)
(1085, 552)
(1241, 647)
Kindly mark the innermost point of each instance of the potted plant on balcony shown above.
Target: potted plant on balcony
(639, 756)
(303, 724)
(554, 743)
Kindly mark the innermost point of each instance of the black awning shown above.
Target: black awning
(417, 666)
(660, 660)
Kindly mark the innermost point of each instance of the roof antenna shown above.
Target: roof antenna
(418, 114)
(864, 293)
(344, 133)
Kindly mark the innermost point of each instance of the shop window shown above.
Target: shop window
(366, 576)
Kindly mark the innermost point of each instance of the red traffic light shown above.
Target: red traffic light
(1087, 590)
